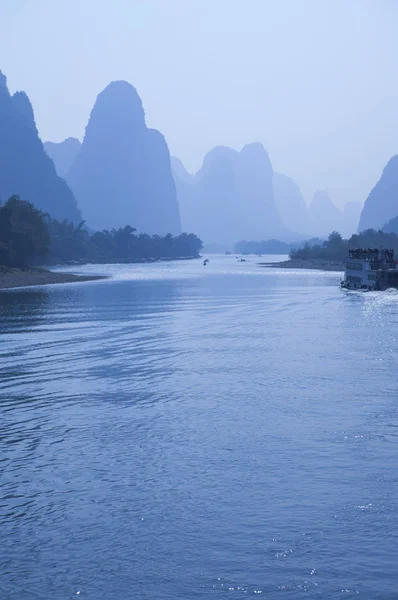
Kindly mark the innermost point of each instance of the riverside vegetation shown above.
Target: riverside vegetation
(335, 248)
(30, 237)
(271, 246)
(327, 255)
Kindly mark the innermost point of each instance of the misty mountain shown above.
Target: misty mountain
(63, 154)
(290, 203)
(320, 218)
(25, 168)
(179, 170)
(382, 203)
(122, 173)
(323, 216)
(391, 226)
(231, 197)
(351, 215)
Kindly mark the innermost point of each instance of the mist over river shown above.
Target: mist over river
(180, 431)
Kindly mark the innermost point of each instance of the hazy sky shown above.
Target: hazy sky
(316, 81)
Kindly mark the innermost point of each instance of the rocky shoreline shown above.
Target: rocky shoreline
(16, 278)
(319, 264)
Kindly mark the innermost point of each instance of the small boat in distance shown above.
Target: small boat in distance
(370, 269)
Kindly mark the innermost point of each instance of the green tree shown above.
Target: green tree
(335, 240)
(69, 242)
(24, 234)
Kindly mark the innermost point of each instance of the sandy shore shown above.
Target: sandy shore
(15, 278)
(320, 264)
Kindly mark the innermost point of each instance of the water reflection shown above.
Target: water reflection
(94, 341)
(221, 433)
(21, 309)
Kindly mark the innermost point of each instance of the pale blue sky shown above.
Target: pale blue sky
(316, 81)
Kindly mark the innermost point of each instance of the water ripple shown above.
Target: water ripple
(178, 432)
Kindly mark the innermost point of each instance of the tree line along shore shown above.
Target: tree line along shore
(29, 238)
(330, 255)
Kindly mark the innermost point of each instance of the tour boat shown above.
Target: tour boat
(370, 269)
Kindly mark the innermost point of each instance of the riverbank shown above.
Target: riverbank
(136, 261)
(319, 264)
(15, 278)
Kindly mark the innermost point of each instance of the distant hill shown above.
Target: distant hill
(264, 247)
(382, 203)
(320, 218)
(242, 194)
(391, 226)
(351, 215)
(179, 170)
(122, 173)
(231, 197)
(290, 203)
(25, 168)
(63, 154)
(323, 216)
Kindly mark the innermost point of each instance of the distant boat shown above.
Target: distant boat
(227, 252)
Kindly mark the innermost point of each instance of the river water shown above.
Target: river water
(181, 431)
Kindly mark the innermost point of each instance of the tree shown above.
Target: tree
(23, 233)
(69, 242)
(335, 240)
(27, 234)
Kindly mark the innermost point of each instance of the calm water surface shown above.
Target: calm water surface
(181, 431)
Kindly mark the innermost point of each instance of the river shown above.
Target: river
(180, 431)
